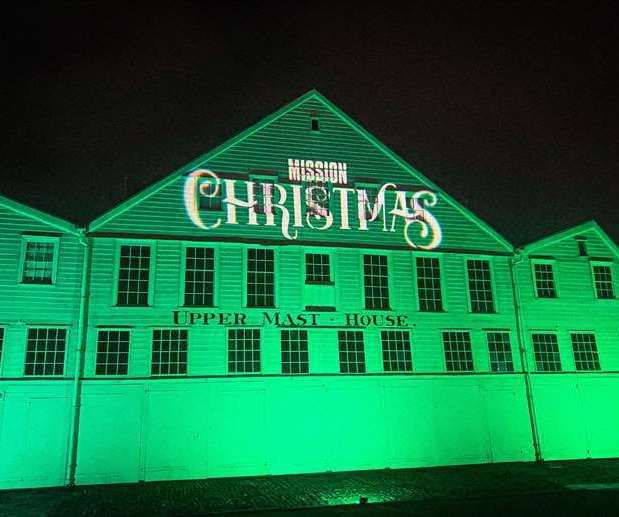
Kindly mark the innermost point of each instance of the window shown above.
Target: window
(546, 350)
(243, 350)
(45, 350)
(429, 284)
(500, 352)
(582, 246)
(603, 280)
(376, 282)
(295, 357)
(585, 352)
(480, 286)
(212, 203)
(199, 277)
(315, 125)
(396, 351)
(169, 352)
(544, 280)
(133, 275)
(352, 354)
(458, 352)
(317, 268)
(260, 278)
(112, 352)
(39, 260)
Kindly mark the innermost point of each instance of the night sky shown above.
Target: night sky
(514, 111)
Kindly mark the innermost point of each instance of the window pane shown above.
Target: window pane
(546, 349)
(295, 357)
(376, 282)
(243, 350)
(38, 262)
(396, 351)
(544, 281)
(112, 352)
(429, 284)
(133, 275)
(585, 352)
(458, 353)
(199, 276)
(45, 349)
(500, 352)
(169, 353)
(480, 286)
(317, 268)
(260, 278)
(352, 353)
(603, 279)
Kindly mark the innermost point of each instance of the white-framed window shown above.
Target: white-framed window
(295, 353)
(602, 274)
(351, 351)
(199, 276)
(500, 352)
(45, 351)
(458, 351)
(133, 274)
(585, 350)
(429, 290)
(479, 276)
(318, 268)
(243, 350)
(39, 259)
(544, 279)
(546, 351)
(376, 281)
(112, 352)
(396, 346)
(260, 277)
(169, 352)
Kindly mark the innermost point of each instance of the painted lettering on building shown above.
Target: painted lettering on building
(314, 202)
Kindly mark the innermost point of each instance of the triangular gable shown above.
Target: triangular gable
(581, 229)
(493, 236)
(42, 217)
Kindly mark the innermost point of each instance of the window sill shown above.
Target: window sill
(317, 282)
(132, 305)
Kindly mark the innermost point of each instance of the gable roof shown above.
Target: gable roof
(571, 232)
(42, 217)
(312, 94)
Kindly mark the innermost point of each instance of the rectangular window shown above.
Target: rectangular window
(212, 203)
(352, 353)
(317, 268)
(603, 280)
(112, 352)
(45, 349)
(544, 280)
(260, 278)
(500, 352)
(199, 276)
(429, 284)
(169, 355)
(458, 352)
(39, 259)
(585, 352)
(376, 282)
(295, 356)
(396, 350)
(480, 286)
(243, 350)
(133, 275)
(546, 350)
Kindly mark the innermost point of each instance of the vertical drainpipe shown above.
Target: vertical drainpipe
(513, 261)
(82, 328)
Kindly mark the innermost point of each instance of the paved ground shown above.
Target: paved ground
(589, 487)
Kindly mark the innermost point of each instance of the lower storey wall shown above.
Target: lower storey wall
(194, 428)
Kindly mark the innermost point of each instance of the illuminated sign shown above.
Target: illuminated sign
(310, 203)
(289, 319)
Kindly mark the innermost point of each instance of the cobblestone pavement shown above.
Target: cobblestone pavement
(455, 490)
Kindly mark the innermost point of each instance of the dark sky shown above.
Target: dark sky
(512, 110)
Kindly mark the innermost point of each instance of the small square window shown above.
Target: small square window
(39, 260)
(317, 268)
